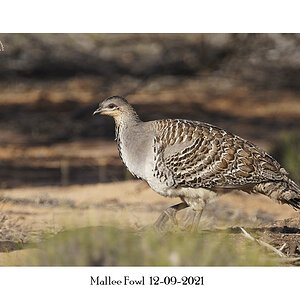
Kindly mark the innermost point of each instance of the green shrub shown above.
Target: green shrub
(287, 151)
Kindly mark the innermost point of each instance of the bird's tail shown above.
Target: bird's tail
(285, 191)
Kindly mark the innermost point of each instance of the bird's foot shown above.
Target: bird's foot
(160, 224)
(191, 221)
(169, 214)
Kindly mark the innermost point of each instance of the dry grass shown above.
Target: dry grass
(111, 246)
(30, 213)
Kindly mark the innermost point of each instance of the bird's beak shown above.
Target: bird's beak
(97, 111)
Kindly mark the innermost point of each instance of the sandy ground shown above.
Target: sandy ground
(30, 212)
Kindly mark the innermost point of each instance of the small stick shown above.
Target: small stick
(282, 247)
(278, 252)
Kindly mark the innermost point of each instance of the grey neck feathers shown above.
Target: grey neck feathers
(127, 118)
(125, 122)
(125, 125)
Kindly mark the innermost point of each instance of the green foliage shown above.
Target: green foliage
(287, 151)
(109, 246)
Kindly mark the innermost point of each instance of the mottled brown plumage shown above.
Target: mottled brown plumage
(214, 159)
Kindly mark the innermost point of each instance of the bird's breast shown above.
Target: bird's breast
(134, 152)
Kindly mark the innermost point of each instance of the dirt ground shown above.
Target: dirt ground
(27, 213)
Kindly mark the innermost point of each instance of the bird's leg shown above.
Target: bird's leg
(169, 213)
(189, 218)
(197, 217)
(193, 217)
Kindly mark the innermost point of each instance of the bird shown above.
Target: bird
(194, 161)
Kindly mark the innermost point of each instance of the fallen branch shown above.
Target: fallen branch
(262, 243)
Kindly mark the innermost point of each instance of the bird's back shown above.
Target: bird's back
(199, 155)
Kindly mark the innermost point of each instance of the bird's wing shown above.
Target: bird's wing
(195, 154)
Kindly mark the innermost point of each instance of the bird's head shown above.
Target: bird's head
(116, 107)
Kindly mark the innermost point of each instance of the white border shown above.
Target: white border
(145, 17)
(219, 283)
(161, 16)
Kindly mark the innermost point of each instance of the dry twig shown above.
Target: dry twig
(285, 259)
(282, 247)
(262, 243)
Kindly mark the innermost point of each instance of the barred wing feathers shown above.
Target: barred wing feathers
(195, 154)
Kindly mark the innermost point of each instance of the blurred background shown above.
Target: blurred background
(58, 162)
(51, 83)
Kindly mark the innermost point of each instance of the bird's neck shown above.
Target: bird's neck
(129, 119)
(126, 131)
(126, 124)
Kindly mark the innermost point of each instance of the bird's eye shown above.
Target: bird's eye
(111, 106)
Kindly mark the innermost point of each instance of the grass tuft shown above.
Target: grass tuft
(110, 246)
